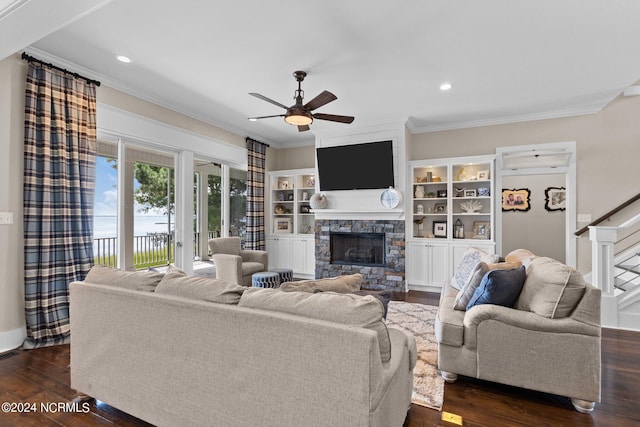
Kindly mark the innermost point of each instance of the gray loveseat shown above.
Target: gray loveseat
(176, 350)
(549, 340)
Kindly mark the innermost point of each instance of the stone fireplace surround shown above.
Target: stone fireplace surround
(390, 277)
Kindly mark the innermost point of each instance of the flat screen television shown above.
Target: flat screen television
(356, 167)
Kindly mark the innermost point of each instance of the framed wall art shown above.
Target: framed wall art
(555, 198)
(516, 199)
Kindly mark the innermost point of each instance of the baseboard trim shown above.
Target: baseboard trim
(12, 339)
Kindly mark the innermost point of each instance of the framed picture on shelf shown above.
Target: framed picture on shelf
(555, 198)
(516, 199)
(481, 230)
(482, 175)
(483, 191)
(440, 208)
(440, 229)
(470, 193)
(282, 225)
(305, 209)
(442, 193)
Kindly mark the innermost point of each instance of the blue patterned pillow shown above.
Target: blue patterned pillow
(499, 287)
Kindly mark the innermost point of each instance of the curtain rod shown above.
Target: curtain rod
(47, 64)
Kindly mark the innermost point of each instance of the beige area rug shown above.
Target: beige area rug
(418, 320)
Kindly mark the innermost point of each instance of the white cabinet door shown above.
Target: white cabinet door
(416, 254)
(439, 270)
(303, 256)
(279, 252)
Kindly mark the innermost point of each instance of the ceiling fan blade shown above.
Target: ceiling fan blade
(265, 117)
(320, 100)
(334, 118)
(303, 128)
(264, 98)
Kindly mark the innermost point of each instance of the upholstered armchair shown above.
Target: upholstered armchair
(235, 264)
(548, 340)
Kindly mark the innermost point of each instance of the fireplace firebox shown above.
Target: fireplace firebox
(365, 249)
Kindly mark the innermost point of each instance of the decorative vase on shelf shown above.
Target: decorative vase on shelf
(318, 201)
(461, 175)
(419, 193)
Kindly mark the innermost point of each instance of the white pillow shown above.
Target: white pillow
(471, 257)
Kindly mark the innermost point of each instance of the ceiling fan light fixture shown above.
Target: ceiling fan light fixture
(299, 119)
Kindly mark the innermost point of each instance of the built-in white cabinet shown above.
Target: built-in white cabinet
(290, 222)
(295, 252)
(427, 263)
(449, 208)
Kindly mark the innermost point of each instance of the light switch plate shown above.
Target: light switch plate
(584, 217)
(6, 217)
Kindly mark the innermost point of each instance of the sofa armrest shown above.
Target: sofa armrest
(249, 255)
(228, 267)
(523, 320)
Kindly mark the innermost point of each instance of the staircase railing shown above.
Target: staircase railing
(608, 215)
(604, 270)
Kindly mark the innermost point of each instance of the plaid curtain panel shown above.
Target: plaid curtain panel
(59, 180)
(255, 238)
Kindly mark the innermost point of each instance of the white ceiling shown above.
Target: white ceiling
(384, 60)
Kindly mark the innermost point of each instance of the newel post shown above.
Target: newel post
(602, 241)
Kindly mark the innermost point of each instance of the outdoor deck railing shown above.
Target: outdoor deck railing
(152, 249)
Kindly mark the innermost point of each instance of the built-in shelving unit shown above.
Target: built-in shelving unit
(290, 226)
(450, 207)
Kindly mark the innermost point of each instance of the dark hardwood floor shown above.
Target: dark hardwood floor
(42, 376)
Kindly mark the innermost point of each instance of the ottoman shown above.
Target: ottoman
(286, 274)
(265, 279)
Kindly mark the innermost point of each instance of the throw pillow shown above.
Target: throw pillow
(471, 257)
(193, 287)
(467, 291)
(552, 289)
(499, 287)
(341, 284)
(135, 280)
(520, 255)
(464, 295)
(348, 309)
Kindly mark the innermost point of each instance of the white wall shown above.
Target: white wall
(12, 86)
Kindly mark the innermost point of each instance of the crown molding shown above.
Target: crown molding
(415, 128)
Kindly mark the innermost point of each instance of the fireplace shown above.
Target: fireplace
(366, 249)
(373, 248)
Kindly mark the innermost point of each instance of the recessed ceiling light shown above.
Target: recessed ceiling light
(123, 58)
(446, 86)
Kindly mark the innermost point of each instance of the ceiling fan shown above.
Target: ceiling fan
(300, 114)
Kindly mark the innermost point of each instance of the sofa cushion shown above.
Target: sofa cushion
(471, 257)
(523, 256)
(212, 290)
(349, 309)
(250, 267)
(135, 280)
(552, 289)
(342, 284)
(499, 287)
(383, 296)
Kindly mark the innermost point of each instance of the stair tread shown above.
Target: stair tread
(624, 285)
(629, 268)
